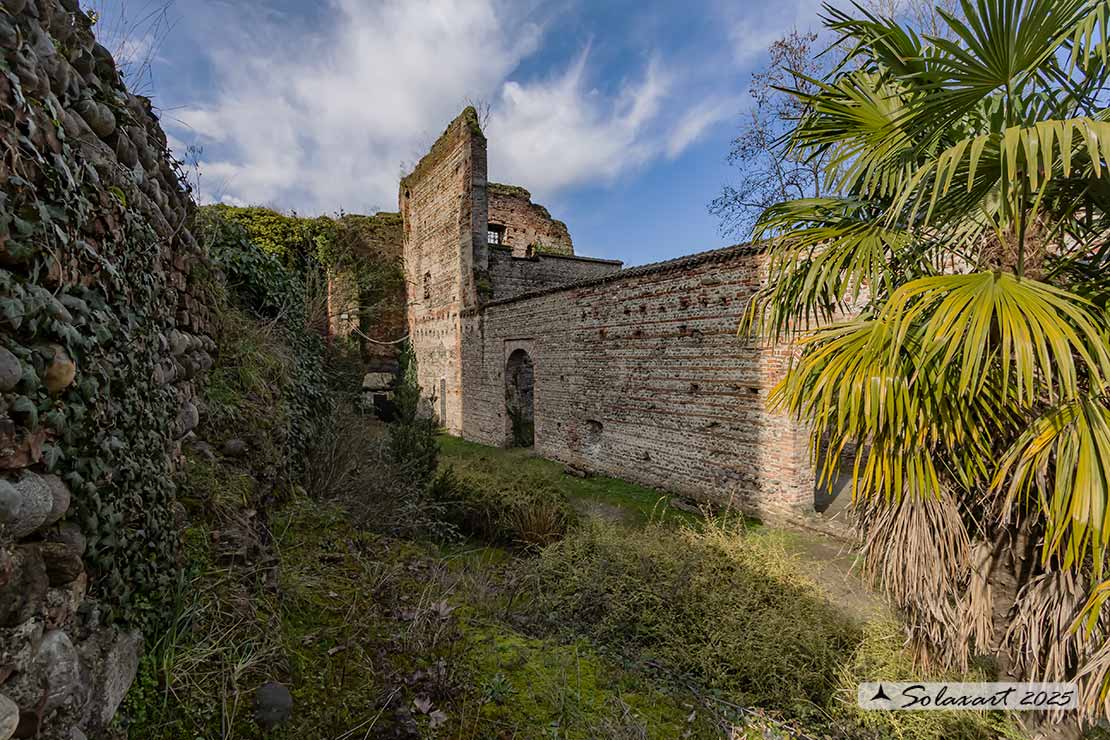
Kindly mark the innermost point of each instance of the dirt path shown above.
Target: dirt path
(836, 571)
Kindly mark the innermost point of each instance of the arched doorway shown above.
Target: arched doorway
(520, 381)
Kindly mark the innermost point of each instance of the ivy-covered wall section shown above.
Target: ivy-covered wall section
(103, 330)
(352, 270)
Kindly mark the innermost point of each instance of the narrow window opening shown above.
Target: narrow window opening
(495, 234)
(442, 401)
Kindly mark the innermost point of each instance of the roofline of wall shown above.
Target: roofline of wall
(556, 255)
(679, 263)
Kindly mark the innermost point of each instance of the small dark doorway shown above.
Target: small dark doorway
(443, 402)
(520, 381)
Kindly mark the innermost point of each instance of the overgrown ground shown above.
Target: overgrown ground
(645, 621)
(407, 586)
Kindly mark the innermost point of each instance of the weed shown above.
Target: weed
(634, 503)
(344, 457)
(498, 689)
(523, 510)
(881, 656)
(725, 608)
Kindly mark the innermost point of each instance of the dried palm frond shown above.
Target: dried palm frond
(1040, 641)
(918, 551)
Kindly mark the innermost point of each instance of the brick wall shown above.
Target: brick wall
(443, 212)
(512, 275)
(640, 375)
(637, 373)
(528, 227)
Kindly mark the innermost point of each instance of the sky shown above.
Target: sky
(616, 114)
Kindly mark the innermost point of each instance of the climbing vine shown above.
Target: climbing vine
(86, 309)
(259, 283)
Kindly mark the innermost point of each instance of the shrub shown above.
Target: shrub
(729, 610)
(881, 656)
(246, 392)
(269, 291)
(526, 510)
(344, 464)
(412, 436)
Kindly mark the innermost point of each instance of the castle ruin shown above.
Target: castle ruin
(635, 373)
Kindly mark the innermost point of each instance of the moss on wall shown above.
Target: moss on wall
(442, 145)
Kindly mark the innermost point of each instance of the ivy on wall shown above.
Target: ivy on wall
(294, 240)
(364, 250)
(86, 310)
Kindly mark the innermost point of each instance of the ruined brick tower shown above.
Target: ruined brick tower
(443, 212)
(635, 373)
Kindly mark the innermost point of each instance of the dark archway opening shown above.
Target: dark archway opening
(520, 381)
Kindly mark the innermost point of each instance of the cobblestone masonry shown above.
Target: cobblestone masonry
(70, 126)
(638, 373)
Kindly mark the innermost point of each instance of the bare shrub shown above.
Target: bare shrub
(344, 457)
(316, 308)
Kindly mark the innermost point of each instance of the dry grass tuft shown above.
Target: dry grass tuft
(523, 510)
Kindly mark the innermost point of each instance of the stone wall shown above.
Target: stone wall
(527, 226)
(640, 375)
(443, 211)
(512, 275)
(103, 328)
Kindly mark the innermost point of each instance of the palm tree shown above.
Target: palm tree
(951, 312)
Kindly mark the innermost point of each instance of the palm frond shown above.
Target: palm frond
(837, 256)
(1061, 465)
(859, 386)
(1046, 338)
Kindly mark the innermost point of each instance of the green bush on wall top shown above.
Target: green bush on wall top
(264, 288)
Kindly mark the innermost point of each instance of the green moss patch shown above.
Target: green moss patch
(534, 688)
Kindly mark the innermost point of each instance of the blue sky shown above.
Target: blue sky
(617, 115)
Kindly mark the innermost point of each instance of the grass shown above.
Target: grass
(531, 687)
(523, 509)
(585, 607)
(633, 503)
(728, 609)
(375, 636)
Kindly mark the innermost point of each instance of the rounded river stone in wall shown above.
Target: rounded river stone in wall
(63, 562)
(11, 370)
(24, 595)
(9, 717)
(60, 372)
(60, 495)
(25, 505)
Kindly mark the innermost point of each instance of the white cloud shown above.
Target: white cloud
(559, 132)
(321, 120)
(753, 27)
(697, 120)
